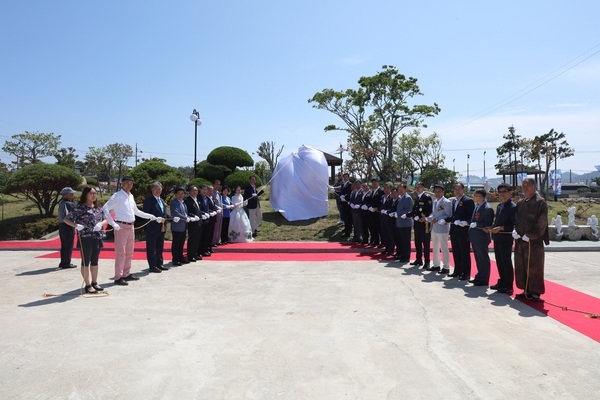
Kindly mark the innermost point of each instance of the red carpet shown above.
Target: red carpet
(556, 298)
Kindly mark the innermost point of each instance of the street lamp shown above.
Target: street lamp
(468, 184)
(195, 118)
(484, 177)
(453, 165)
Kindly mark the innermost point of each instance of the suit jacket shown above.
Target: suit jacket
(193, 209)
(442, 209)
(252, 201)
(346, 190)
(422, 207)
(376, 199)
(404, 207)
(483, 216)
(463, 212)
(178, 209)
(151, 206)
(506, 219)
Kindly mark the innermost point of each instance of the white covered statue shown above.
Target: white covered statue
(571, 211)
(557, 222)
(593, 223)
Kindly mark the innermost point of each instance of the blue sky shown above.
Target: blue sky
(132, 72)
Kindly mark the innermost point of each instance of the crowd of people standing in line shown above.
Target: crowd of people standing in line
(207, 217)
(386, 217)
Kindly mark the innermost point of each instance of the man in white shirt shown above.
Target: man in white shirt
(125, 210)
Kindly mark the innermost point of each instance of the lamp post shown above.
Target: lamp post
(468, 180)
(340, 150)
(484, 176)
(195, 118)
(453, 165)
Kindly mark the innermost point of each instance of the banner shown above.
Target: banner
(556, 181)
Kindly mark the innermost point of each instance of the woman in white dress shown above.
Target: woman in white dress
(239, 224)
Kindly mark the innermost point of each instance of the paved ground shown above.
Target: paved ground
(289, 330)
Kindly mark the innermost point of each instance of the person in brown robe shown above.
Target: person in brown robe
(531, 233)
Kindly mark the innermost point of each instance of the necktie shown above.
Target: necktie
(160, 204)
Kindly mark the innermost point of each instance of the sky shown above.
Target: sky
(131, 72)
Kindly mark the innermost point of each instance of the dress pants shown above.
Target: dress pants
(403, 243)
(67, 235)
(193, 243)
(461, 253)
(124, 242)
(155, 243)
(422, 243)
(440, 242)
(503, 253)
(177, 247)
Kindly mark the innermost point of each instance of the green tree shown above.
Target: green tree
(31, 147)
(376, 113)
(66, 157)
(231, 157)
(241, 178)
(261, 169)
(97, 163)
(42, 183)
(554, 147)
(433, 174)
(119, 154)
(149, 172)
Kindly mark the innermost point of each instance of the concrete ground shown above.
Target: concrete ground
(287, 330)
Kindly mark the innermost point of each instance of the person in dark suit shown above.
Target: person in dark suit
(422, 208)
(345, 191)
(462, 211)
(386, 222)
(253, 207)
(375, 211)
(193, 227)
(180, 215)
(208, 211)
(479, 236)
(365, 214)
(503, 240)
(354, 206)
(155, 233)
(403, 224)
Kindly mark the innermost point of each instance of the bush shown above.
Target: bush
(231, 157)
(241, 178)
(27, 227)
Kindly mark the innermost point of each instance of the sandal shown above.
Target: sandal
(90, 289)
(97, 287)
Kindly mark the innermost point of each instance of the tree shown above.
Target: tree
(97, 163)
(118, 154)
(261, 169)
(42, 183)
(507, 153)
(30, 147)
(66, 157)
(554, 146)
(266, 151)
(433, 174)
(240, 178)
(376, 113)
(149, 172)
(231, 157)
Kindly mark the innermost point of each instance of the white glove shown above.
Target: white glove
(159, 220)
(525, 238)
(457, 222)
(394, 215)
(364, 207)
(371, 209)
(384, 212)
(429, 219)
(213, 213)
(188, 219)
(98, 226)
(343, 198)
(515, 235)
(153, 218)
(416, 218)
(116, 227)
(245, 203)
(218, 211)
(330, 188)
(205, 216)
(463, 223)
(403, 216)
(442, 221)
(473, 225)
(176, 219)
(79, 227)
(254, 195)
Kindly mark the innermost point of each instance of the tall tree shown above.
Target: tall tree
(119, 154)
(376, 113)
(553, 146)
(266, 150)
(31, 147)
(97, 163)
(66, 157)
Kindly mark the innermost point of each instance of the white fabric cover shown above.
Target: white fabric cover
(300, 184)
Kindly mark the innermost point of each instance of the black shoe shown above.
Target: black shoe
(121, 282)
(68, 267)
(444, 271)
(463, 278)
(454, 275)
(426, 266)
(473, 280)
(416, 262)
(496, 287)
(505, 291)
(206, 254)
(155, 270)
(199, 258)
(480, 283)
(380, 246)
(192, 259)
(97, 287)
(130, 277)
(434, 269)
(163, 268)
(403, 260)
(177, 264)
(90, 289)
